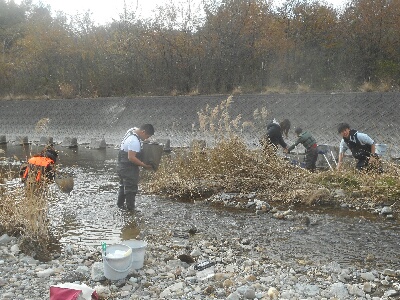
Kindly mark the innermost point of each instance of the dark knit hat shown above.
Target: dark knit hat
(298, 130)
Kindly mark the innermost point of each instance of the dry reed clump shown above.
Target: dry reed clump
(66, 90)
(194, 92)
(217, 120)
(366, 87)
(303, 88)
(42, 125)
(232, 167)
(237, 90)
(24, 209)
(384, 86)
(23, 212)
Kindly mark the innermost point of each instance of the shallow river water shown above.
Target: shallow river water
(89, 216)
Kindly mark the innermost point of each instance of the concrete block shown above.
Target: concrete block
(45, 140)
(70, 142)
(97, 144)
(21, 140)
(166, 143)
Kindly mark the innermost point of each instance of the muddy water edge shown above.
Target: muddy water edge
(89, 216)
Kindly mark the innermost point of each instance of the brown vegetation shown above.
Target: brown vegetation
(230, 166)
(24, 207)
(23, 212)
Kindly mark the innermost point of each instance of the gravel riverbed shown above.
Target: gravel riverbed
(245, 266)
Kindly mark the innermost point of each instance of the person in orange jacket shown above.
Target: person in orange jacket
(41, 165)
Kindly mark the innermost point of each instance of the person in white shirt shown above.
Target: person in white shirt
(362, 146)
(129, 161)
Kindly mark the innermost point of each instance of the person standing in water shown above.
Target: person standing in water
(129, 161)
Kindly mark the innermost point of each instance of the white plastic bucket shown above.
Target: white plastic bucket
(380, 149)
(138, 250)
(117, 261)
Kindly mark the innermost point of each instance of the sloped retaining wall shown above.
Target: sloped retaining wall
(176, 118)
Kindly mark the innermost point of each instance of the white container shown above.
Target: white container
(117, 261)
(138, 251)
(380, 149)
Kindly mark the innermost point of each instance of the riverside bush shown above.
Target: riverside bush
(230, 166)
(24, 208)
(24, 213)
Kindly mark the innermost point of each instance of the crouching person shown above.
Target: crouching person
(40, 166)
(308, 141)
(362, 148)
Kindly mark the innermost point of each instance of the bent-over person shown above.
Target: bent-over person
(361, 145)
(308, 141)
(274, 133)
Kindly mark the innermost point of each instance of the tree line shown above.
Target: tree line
(218, 47)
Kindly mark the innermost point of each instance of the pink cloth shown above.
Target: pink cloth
(57, 293)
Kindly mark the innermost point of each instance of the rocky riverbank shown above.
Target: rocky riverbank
(243, 268)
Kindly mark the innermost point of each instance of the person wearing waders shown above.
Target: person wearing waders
(129, 161)
(308, 141)
(274, 133)
(40, 166)
(362, 147)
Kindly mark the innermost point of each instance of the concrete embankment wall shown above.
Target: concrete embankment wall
(176, 118)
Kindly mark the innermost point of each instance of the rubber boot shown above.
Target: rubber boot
(121, 198)
(130, 201)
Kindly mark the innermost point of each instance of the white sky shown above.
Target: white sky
(103, 11)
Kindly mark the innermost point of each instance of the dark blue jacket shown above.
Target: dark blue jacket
(274, 134)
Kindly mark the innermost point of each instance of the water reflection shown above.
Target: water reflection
(130, 230)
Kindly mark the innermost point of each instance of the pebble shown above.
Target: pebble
(234, 276)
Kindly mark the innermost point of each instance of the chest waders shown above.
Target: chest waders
(128, 174)
(359, 151)
(311, 151)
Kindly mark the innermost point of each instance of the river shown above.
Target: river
(88, 216)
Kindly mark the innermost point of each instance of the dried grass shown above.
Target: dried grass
(24, 212)
(24, 208)
(67, 90)
(372, 185)
(366, 87)
(275, 90)
(303, 88)
(42, 125)
(384, 86)
(237, 90)
(232, 167)
(194, 92)
(174, 92)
